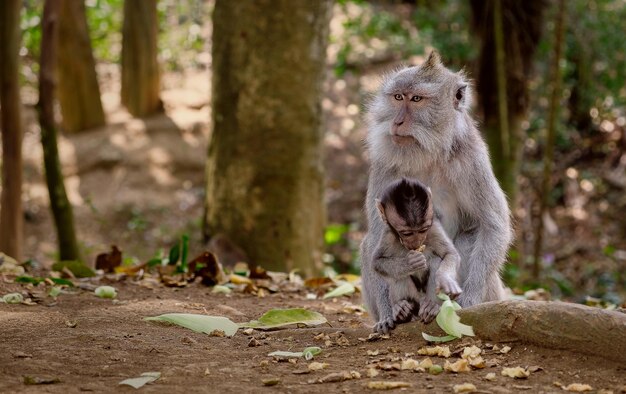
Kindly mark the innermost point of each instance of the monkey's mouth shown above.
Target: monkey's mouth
(402, 139)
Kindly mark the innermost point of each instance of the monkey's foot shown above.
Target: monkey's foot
(402, 311)
(428, 310)
(384, 325)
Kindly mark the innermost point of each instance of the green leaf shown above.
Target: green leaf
(146, 377)
(61, 281)
(431, 338)
(346, 288)
(174, 254)
(286, 354)
(29, 279)
(334, 233)
(184, 241)
(199, 323)
(221, 289)
(54, 291)
(284, 317)
(311, 351)
(13, 298)
(106, 292)
(450, 322)
(77, 268)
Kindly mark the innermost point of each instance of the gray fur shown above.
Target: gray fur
(397, 267)
(450, 157)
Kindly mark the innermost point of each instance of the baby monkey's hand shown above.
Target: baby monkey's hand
(417, 262)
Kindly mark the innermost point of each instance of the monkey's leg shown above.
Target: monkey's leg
(403, 295)
(376, 297)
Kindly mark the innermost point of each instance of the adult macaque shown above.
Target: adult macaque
(419, 127)
(407, 209)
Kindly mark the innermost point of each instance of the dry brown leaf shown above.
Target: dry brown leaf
(315, 283)
(577, 387)
(477, 362)
(471, 352)
(271, 381)
(515, 372)
(439, 351)
(464, 388)
(387, 385)
(339, 377)
(315, 366)
(373, 352)
(426, 363)
(412, 365)
(371, 372)
(505, 350)
(458, 366)
(490, 377)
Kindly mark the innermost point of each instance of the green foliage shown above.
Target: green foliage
(179, 253)
(335, 233)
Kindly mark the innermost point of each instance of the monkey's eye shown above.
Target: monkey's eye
(406, 233)
(416, 98)
(398, 97)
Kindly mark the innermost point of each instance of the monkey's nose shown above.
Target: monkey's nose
(398, 122)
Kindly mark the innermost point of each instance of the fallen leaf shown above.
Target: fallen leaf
(199, 323)
(10, 266)
(464, 388)
(315, 366)
(351, 278)
(219, 289)
(426, 363)
(460, 365)
(490, 377)
(516, 372)
(346, 288)
(471, 351)
(411, 365)
(387, 385)
(284, 317)
(315, 283)
(146, 377)
(505, 349)
(271, 381)
(76, 268)
(372, 372)
(435, 369)
(440, 351)
(106, 292)
(109, 261)
(33, 380)
(207, 267)
(339, 377)
(577, 387)
(307, 353)
(13, 298)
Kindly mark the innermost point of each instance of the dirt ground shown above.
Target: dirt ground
(91, 344)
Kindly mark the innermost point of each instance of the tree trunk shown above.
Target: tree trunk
(11, 216)
(60, 205)
(521, 23)
(264, 171)
(140, 69)
(78, 90)
(555, 77)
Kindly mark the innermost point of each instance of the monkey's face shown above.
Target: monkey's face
(411, 236)
(419, 106)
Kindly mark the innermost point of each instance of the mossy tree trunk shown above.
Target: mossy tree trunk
(59, 204)
(264, 171)
(11, 216)
(78, 90)
(140, 69)
(517, 25)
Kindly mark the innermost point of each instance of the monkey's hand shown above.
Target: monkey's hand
(416, 262)
(402, 311)
(428, 309)
(385, 325)
(448, 285)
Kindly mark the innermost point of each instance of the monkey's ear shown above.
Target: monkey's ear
(381, 210)
(433, 60)
(460, 97)
(430, 192)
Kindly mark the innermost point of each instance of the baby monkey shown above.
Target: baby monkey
(407, 209)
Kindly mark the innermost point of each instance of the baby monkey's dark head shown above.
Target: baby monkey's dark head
(406, 207)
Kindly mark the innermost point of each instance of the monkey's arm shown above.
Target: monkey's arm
(394, 261)
(485, 242)
(446, 273)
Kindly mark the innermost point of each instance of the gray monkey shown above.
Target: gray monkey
(406, 207)
(419, 127)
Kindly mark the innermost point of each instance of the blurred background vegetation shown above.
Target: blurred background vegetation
(584, 253)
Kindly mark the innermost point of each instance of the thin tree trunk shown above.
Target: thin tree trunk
(78, 90)
(60, 205)
(140, 68)
(509, 32)
(11, 216)
(264, 172)
(555, 73)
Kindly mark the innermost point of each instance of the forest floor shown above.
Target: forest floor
(80, 342)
